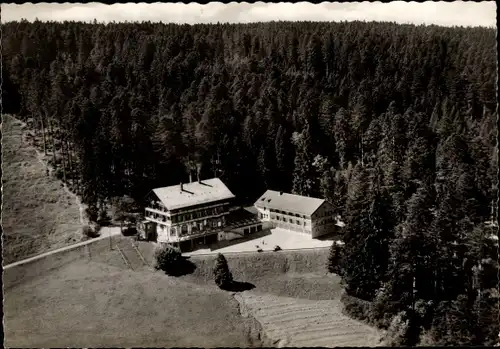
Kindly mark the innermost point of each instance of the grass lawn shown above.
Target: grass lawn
(98, 301)
(37, 214)
(90, 304)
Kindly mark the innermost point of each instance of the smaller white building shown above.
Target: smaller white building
(302, 214)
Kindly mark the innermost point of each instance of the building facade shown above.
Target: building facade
(306, 215)
(189, 214)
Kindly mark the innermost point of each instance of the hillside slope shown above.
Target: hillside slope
(93, 304)
(37, 213)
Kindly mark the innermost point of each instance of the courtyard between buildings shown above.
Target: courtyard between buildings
(266, 240)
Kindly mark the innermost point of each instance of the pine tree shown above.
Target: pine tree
(335, 258)
(304, 174)
(223, 277)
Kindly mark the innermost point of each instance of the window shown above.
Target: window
(273, 216)
(290, 220)
(297, 221)
(259, 227)
(304, 223)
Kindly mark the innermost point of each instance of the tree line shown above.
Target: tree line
(393, 124)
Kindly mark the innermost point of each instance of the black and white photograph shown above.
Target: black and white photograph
(250, 174)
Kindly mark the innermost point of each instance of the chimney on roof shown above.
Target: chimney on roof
(182, 188)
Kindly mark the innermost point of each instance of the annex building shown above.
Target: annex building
(298, 213)
(195, 213)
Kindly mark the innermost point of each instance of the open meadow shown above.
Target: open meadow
(37, 213)
(97, 305)
(94, 298)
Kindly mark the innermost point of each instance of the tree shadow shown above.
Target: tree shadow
(237, 286)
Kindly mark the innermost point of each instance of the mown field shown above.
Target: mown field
(92, 298)
(91, 304)
(37, 213)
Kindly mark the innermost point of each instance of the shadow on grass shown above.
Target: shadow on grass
(237, 286)
(183, 267)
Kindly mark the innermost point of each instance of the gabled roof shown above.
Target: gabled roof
(289, 202)
(194, 193)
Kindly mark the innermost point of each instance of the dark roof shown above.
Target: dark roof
(289, 202)
(192, 194)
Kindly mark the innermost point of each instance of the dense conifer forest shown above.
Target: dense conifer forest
(394, 124)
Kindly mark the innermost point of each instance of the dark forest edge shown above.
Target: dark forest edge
(394, 124)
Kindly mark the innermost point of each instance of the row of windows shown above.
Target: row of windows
(325, 214)
(198, 214)
(189, 216)
(162, 218)
(282, 219)
(289, 213)
(195, 228)
(287, 220)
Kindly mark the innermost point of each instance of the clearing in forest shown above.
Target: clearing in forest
(38, 215)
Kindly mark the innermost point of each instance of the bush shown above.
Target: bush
(356, 308)
(383, 308)
(90, 232)
(222, 275)
(168, 259)
(277, 248)
(104, 219)
(334, 258)
(92, 213)
(397, 333)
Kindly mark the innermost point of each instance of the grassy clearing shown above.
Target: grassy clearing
(300, 274)
(99, 301)
(37, 214)
(89, 304)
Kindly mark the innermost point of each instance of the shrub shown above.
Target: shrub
(383, 308)
(168, 259)
(222, 275)
(356, 308)
(334, 258)
(397, 333)
(90, 232)
(92, 213)
(104, 219)
(277, 248)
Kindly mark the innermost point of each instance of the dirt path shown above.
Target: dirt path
(105, 233)
(292, 322)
